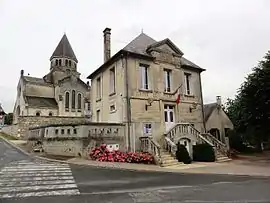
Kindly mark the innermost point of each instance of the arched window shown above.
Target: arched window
(73, 99)
(67, 101)
(75, 64)
(79, 102)
(56, 62)
(50, 114)
(37, 113)
(60, 62)
(66, 62)
(69, 62)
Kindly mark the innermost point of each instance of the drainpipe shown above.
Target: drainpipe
(202, 103)
(128, 109)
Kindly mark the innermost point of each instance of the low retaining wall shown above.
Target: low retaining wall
(78, 139)
(26, 122)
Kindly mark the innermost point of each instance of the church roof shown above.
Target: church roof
(34, 80)
(41, 102)
(64, 49)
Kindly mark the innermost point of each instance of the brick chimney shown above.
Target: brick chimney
(107, 44)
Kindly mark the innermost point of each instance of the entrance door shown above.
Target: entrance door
(169, 116)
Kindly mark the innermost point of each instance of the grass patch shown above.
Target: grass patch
(8, 137)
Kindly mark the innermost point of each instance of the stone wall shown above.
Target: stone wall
(78, 139)
(10, 130)
(26, 122)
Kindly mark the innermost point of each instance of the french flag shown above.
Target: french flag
(178, 95)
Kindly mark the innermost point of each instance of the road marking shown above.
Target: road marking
(37, 178)
(39, 182)
(33, 169)
(39, 187)
(40, 194)
(36, 174)
(26, 179)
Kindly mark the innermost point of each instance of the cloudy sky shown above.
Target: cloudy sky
(226, 37)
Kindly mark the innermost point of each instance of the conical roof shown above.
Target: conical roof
(64, 49)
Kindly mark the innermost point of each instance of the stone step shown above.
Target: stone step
(170, 163)
(223, 159)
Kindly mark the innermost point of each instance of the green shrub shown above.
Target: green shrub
(204, 153)
(182, 154)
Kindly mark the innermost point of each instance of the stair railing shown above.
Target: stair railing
(148, 144)
(219, 146)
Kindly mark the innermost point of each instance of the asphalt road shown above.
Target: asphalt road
(24, 179)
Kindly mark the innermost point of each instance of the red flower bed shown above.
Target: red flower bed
(103, 154)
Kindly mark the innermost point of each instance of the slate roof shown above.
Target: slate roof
(208, 109)
(41, 102)
(35, 80)
(140, 44)
(64, 49)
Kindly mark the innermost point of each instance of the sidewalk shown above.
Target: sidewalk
(253, 167)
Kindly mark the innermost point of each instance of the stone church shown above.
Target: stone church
(60, 93)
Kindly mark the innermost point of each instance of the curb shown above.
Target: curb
(15, 146)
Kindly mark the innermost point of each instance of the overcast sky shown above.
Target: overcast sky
(226, 37)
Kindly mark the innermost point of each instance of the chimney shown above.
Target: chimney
(218, 100)
(22, 72)
(107, 44)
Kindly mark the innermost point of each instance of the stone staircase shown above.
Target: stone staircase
(165, 155)
(167, 159)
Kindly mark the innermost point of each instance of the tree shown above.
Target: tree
(9, 119)
(250, 110)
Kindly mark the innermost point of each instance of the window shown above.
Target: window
(67, 101)
(62, 131)
(66, 62)
(147, 130)
(144, 77)
(56, 131)
(74, 131)
(79, 102)
(68, 131)
(56, 62)
(38, 113)
(187, 83)
(112, 108)
(98, 88)
(69, 62)
(98, 115)
(168, 80)
(50, 114)
(73, 99)
(112, 80)
(60, 62)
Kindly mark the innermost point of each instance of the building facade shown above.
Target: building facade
(2, 116)
(60, 93)
(149, 86)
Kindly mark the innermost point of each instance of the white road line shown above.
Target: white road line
(33, 169)
(37, 166)
(39, 194)
(36, 174)
(38, 178)
(40, 182)
(36, 187)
